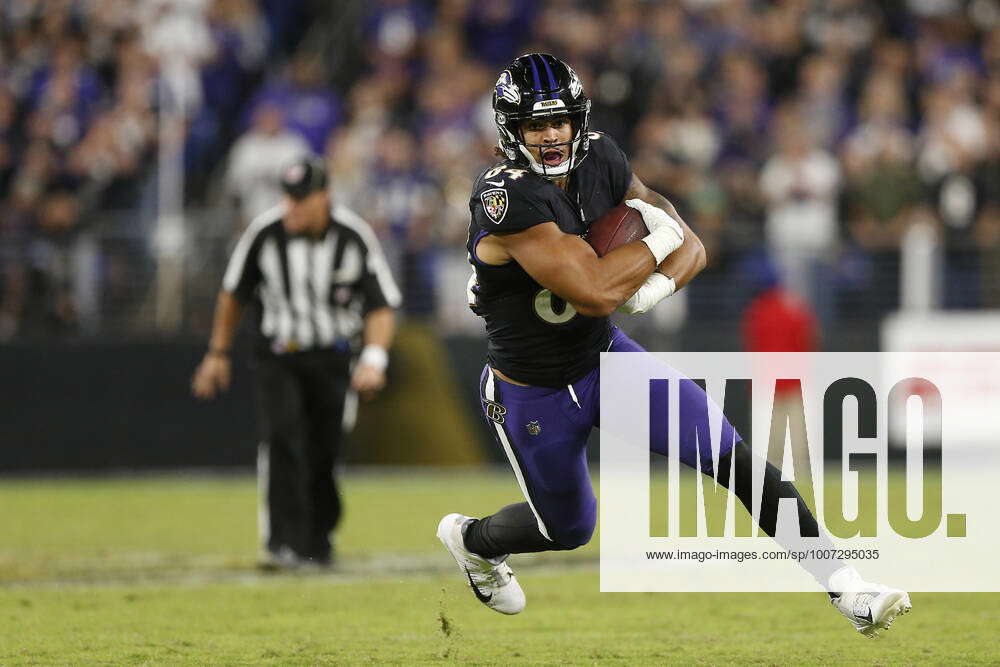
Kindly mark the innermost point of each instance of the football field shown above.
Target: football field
(160, 570)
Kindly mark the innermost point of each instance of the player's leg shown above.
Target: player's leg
(543, 433)
(280, 408)
(870, 607)
(738, 463)
(512, 529)
(696, 452)
(326, 398)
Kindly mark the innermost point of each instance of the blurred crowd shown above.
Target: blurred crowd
(801, 139)
(82, 84)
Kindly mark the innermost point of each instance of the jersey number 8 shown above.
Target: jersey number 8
(545, 308)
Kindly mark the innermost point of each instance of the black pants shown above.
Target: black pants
(301, 400)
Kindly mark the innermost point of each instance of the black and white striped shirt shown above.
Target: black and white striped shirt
(313, 292)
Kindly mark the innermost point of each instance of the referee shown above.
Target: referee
(326, 303)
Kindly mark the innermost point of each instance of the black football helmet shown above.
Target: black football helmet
(537, 85)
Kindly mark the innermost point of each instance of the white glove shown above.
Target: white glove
(665, 233)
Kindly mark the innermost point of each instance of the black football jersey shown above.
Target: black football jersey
(534, 336)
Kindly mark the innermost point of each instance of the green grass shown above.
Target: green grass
(160, 570)
(164, 526)
(309, 621)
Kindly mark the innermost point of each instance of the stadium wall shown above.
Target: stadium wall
(112, 406)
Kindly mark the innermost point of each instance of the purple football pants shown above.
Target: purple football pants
(543, 432)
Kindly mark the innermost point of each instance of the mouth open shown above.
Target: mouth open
(552, 157)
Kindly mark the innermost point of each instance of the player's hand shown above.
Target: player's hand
(212, 376)
(367, 380)
(658, 222)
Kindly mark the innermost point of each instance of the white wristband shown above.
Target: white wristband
(375, 356)
(656, 288)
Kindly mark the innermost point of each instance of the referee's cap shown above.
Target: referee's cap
(304, 177)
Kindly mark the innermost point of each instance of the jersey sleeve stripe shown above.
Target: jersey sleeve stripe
(237, 261)
(376, 262)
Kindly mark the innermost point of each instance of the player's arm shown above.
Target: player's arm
(569, 267)
(689, 259)
(213, 373)
(369, 375)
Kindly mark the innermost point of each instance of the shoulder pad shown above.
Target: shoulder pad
(606, 152)
(507, 199)
(602, 143)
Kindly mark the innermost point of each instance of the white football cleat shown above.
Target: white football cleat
(491, 579)
(871, 608)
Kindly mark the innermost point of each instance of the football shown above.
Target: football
(618, 226)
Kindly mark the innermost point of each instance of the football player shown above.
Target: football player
(545, 297)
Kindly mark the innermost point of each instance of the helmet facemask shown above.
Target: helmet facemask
(521, 149)
(520, 97)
